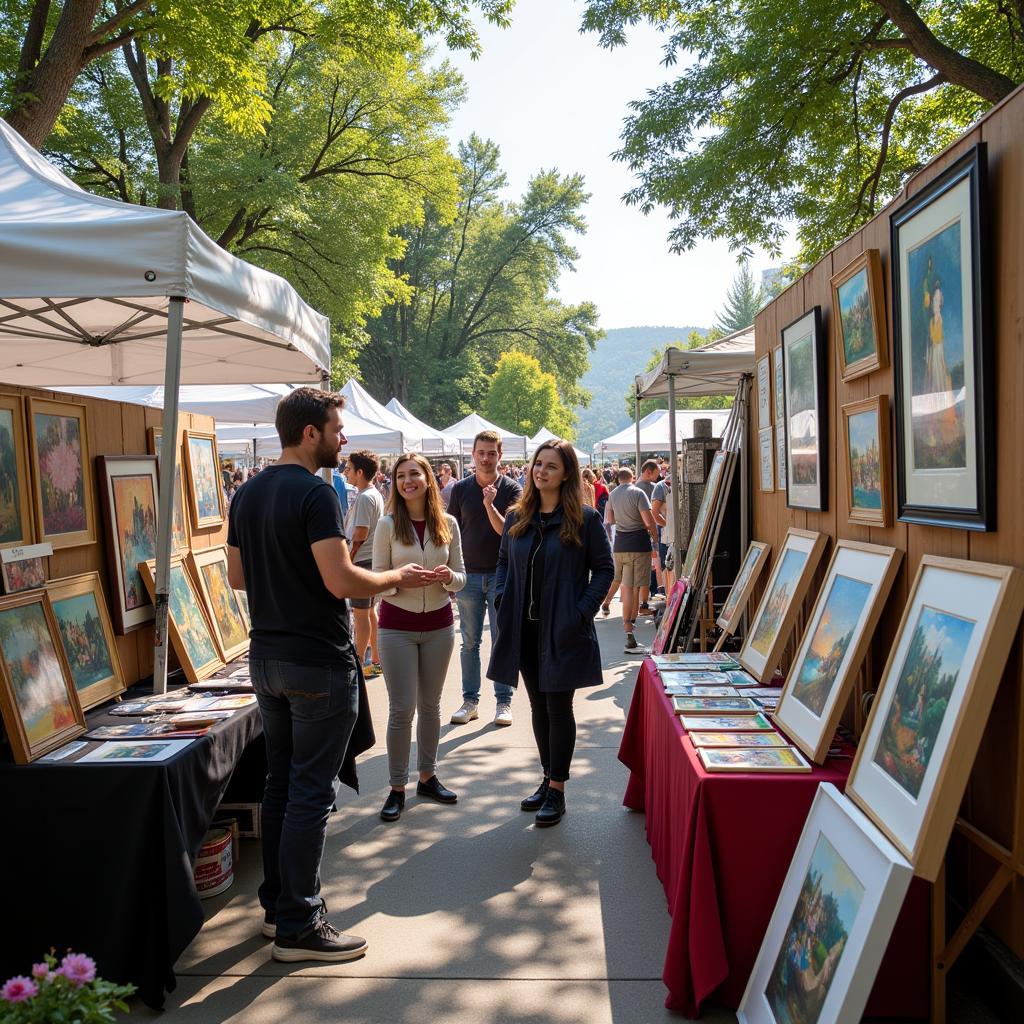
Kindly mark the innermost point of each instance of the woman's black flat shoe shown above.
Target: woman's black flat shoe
(393, 806)
(433, 789)
(535, 802)
(552, 810)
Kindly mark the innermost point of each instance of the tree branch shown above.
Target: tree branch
(32, 46)
(116, 21)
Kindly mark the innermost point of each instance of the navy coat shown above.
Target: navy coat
(573, 586)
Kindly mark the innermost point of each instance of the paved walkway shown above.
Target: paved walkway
(472, 914)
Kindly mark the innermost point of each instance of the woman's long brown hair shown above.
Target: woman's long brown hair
(571, 497)
(437, 525)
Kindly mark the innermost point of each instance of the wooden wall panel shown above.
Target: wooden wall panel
(994, 802)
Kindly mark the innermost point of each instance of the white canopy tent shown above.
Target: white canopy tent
(359, 402)
(543, 435)
(226, 403)
(513, 446)
(262, 441)
(654, 431)
(435, 442)
(94, 292)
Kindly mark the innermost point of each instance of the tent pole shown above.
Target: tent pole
(673, 470)
(636, 420)
(325, 385)
(169, 446)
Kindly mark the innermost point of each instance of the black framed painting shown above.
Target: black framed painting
(942, 351)
(805, 382)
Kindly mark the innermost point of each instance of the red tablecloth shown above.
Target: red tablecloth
(722, 843)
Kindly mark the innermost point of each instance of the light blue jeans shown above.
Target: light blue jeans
(476, 596)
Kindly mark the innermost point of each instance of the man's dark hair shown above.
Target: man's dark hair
(304, 407)
(365, 461)
(648, 466)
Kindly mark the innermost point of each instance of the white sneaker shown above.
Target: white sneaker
(503, 715)
(466, 713)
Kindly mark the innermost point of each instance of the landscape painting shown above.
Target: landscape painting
(856, 322)
(774, 608)
(919, 705)
(84, 639)
(816, 937)
(205, 477)
(936, 348)
(740, 584)
(842, 611)
(191, 626)
(15, 527)
(865, 464)
(752, 759)
(222, 602)
(802, 416)
(135, 511)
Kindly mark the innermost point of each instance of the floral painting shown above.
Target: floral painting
(84, 639)
(189, 620)
(774, 609)
(926, 681)
(134, 503)
(12, 526)
(58, 445)
(816, 937)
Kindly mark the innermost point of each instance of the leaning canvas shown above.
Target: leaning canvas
(230, 629)
(754, 562)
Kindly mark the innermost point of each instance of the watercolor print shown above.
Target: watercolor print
(742, 578)
(206, 477)
(858, 325)
(843, 608)
(189, 620)
(802, 423)
(755, 758)
(865, 460)
(61, 473)
(778, 386)
(935, 296)
(12, 524)
(134, 504)
(919, 705)
(783, 586)
(816, 937)
(224, 604)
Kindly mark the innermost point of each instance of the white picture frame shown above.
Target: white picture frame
(766, 458)
(764, 392)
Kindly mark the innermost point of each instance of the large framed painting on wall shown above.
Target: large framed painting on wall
(40, 707)
(832, 921)
(206, 488)
(87, 637)
(776, 614)
(942, 351)
(230, 627)
(62, 475)
(868, 461)
(15, 487)
(927, 719)
(129, 498)
(806, 382)
(841, 626)
(858, 311)
(179, 525)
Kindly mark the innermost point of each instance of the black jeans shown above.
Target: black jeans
(308, 714)
(554, 724)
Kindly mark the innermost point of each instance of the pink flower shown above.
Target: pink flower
(78, 968)
(18, 989)
(40, 971)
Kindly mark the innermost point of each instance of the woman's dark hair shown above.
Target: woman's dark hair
(304, 407)
(571, 497)
(437, 524)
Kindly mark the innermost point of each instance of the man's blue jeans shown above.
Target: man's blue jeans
(476, 596)
(308, 713)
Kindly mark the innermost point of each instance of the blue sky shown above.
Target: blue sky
(551, 97)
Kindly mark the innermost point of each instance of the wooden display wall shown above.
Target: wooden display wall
(993, 809)
(116, 428)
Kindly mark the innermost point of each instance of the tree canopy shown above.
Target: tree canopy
(522, 398)
(814, 110)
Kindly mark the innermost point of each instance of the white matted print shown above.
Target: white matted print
(832, 922)
(764, 392)
(766, 458)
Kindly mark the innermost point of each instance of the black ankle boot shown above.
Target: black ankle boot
(536, 802)
(393, 806)
(552, 810)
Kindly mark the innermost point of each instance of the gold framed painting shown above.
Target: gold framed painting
(61, 473)
(190, 630)
(753, 565)
(223, 609)
(933, 702)
(87, 636)
(868, 461)
(180, 538)
(40, 706)
(752, 759)
(16, 527)
(775, 617)
(205, 487)
(737, 739)
(838, 633)
(858, 311)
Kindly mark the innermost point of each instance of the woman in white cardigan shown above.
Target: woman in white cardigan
(416, 628)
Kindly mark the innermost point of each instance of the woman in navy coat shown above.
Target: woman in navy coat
(554, 569)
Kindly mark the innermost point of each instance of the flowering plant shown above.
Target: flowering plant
(68, 992)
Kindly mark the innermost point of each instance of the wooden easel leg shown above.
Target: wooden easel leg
(938, 1000)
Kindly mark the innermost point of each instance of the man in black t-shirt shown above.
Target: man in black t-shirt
(287, 549)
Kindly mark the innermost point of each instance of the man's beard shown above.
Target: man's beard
(326, 455)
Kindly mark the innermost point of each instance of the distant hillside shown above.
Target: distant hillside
(620, 356)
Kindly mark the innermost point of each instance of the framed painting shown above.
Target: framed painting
(206, 490)
(779, 387)
(189, 628)
(719, 476)
(129, 500)
(62, 475)
(40, 707)
(753, 565)
(943, 351)
(933, 702)
(858, 311)
(737, 739)
(87, 638)
(714, 706)
(23, 574)
(764, 392)
(752, 759)
(667, 625)
(780, 457)
(726, 723)
(16, 527)
(776, 614)
(230, 626)
(180, 539)
(868, 461)
(832, 921)
(766, 458)
(806, 419)
(838, 633)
